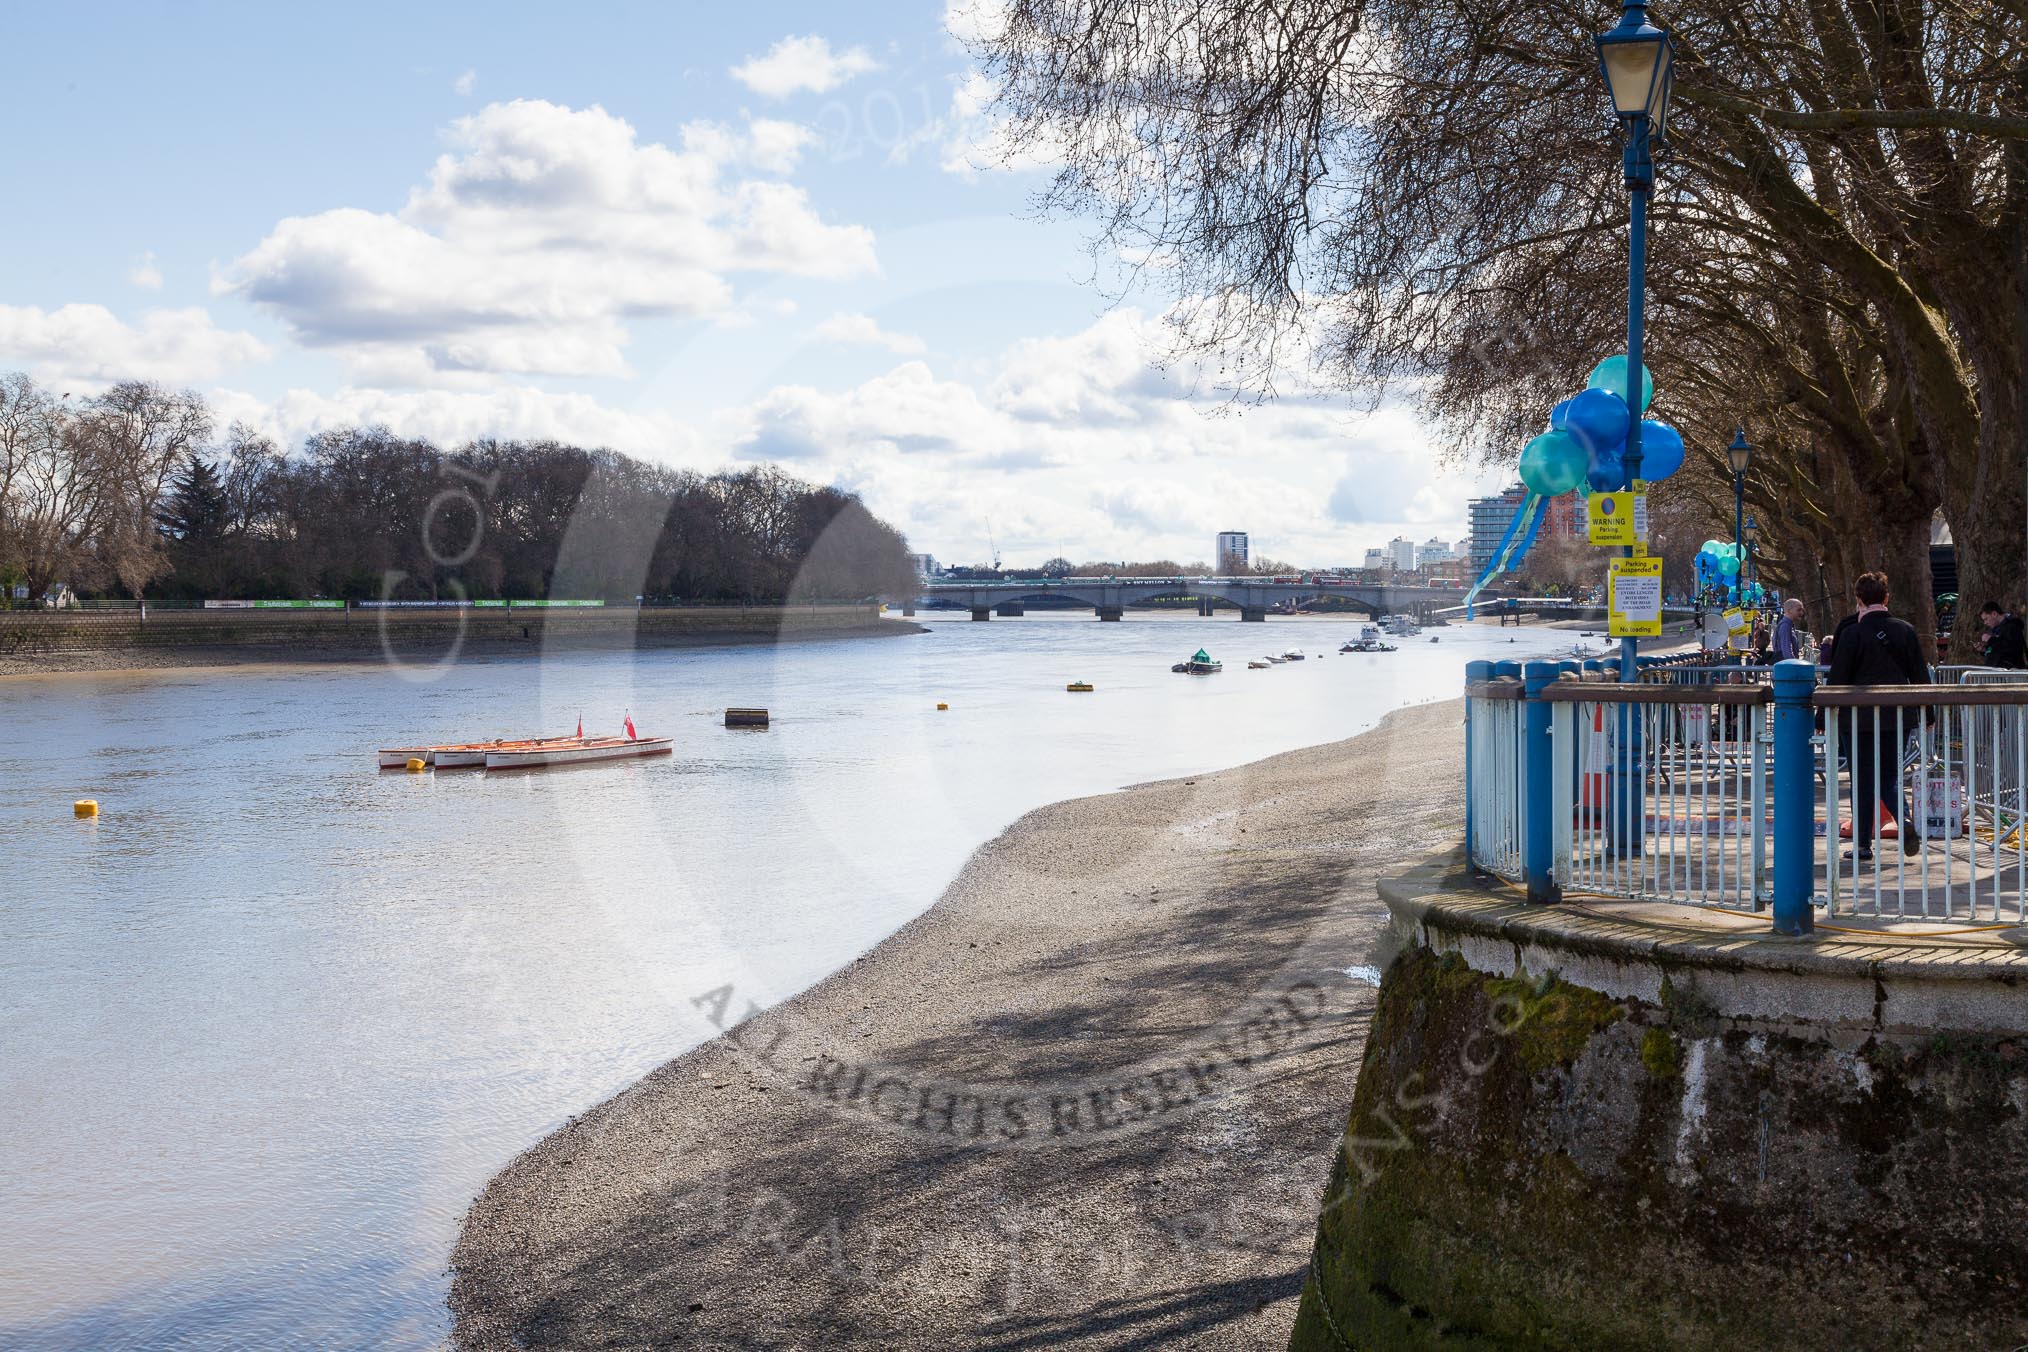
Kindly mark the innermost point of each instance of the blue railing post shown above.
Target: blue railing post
(1538, 779)
(1795, 812)
(1474, 672)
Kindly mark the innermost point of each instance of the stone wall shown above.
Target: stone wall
(1676, 1149)
(27, 633)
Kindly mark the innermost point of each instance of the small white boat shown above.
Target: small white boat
(472, 755)
(398, 757)
(1292, 656)
(1256, 666)
(1369, 642)
(579, 752)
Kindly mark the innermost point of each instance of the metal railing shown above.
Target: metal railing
(1760, 790)
(1925, 783)
(1495, 759)
(1665, 796)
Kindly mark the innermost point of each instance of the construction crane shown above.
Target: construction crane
(992, 544)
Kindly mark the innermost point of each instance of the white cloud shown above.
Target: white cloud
(536, 240)
(466, 83)
(853, 330)
(802, 63)
(776, 146)
(144, 273)
(90, 344)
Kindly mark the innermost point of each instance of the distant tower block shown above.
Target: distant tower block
(1231, 557)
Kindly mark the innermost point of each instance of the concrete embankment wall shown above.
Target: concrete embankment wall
(1586, 1139)
(26, 634)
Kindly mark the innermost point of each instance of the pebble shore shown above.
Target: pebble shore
(1087, 1100)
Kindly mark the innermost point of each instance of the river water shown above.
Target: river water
(270, 1022)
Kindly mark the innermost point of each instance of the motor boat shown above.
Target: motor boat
(1201, 664)
(1368, 642)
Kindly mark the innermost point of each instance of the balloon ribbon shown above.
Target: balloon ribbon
(1513, 546)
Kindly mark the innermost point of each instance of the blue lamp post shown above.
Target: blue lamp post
(1739, 455)
(1638, 63)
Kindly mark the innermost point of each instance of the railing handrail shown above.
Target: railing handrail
(1570, 690)
(1500, 687)
(1914, 696)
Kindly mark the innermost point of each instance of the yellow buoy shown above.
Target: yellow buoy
(942, 705)
(415, 765)
(86, 807)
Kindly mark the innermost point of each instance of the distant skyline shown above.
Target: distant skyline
(701, 236)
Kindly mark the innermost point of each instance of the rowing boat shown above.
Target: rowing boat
(578, 752)
(472, 755)
(398, 757)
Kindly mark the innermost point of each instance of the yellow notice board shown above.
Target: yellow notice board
(1616, 518)
(1634, 598)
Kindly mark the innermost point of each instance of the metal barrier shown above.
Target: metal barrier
(1714, 673)
(1762, 792)
(1666, 797)
(1494, 761)
(1932, 776)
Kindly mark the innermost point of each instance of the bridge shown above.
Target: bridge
(1254, 597)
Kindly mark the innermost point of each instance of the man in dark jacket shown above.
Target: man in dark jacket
(1874, 648)
(2005, 644)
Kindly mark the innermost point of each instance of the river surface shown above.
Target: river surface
(270, 1022)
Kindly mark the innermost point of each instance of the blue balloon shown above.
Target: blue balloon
(1605, 473)
(1553, 464)
(1597, 418)
(1556, 414)
(1661, 450)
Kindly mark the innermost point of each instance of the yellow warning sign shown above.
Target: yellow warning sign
(1616, 518)
(1634, 598)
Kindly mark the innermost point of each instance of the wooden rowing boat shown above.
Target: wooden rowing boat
(587, 751)
(398, 757)
(472, 755)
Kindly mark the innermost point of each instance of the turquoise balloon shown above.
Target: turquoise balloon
(1661, 450)
(1728, 566)
(1611, 375)
(1553, 464)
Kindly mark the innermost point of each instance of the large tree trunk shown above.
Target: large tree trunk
(1903, 555)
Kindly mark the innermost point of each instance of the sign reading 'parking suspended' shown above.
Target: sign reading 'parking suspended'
(1634, 598)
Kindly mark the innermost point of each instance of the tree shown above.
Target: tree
(1421, 190)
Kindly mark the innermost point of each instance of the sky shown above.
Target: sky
(703, 235)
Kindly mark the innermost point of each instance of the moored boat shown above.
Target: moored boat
(398, 757)
(1201, 664)
(472, 755)
(1256, 666)
(578, 752)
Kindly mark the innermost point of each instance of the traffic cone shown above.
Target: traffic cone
(1591, 803)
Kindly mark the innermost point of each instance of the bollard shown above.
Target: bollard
(1474, 672)
(1537, 783)
(1795, 814)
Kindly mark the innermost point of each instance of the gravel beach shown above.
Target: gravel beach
(1087, 1100)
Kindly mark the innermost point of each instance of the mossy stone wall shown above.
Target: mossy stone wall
(1533, 1164)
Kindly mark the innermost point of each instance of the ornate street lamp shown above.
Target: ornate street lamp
(1638, 63)
(1740, 456)
(1752, 536)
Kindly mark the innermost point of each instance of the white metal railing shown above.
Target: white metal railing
(1662, 793)
(1941, 779)
(1499, 805)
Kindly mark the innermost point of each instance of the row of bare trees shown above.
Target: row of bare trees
(1426, 191)
(126, 492)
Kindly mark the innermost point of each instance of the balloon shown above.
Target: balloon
(1605, 472)
(1728, 566)
(1598, 419)
(1556, 414)
(1661, 450)
(1611, 375)
(1552, 464)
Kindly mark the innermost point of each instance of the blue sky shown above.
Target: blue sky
(701, 234)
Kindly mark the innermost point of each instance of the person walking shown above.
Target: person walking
(1875, 648)
(2004, 644)
(1788, 635)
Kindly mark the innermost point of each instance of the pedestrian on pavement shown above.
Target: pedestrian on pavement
(1788, 639)
(1874, 648)
(2004, 644)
